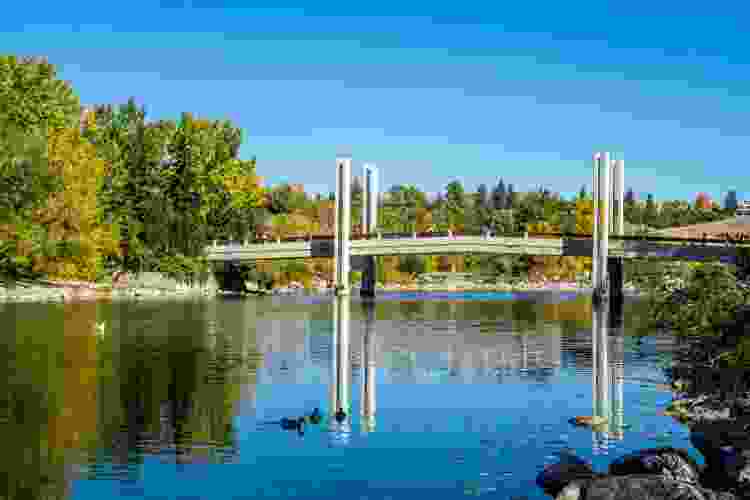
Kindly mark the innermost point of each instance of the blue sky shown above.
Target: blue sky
(428, 91)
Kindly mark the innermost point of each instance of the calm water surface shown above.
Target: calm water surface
(446, 395)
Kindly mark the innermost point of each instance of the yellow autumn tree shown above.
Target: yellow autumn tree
(70, 215)
(424, 219)
(585, 226)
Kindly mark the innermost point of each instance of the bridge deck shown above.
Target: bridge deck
(444, 245)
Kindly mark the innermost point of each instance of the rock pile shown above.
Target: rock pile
(651, 474)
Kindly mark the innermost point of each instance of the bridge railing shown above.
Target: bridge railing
(435, 234)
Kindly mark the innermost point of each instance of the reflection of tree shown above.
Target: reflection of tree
(174, 392)
(36, 383)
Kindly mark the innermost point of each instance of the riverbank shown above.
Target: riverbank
(156, 286)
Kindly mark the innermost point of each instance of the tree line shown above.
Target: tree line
(85, 191)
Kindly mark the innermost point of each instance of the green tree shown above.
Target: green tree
(411, 264)
(280, 199)
(33, 104)
(650, 213)
(455, 204)
(511, 198)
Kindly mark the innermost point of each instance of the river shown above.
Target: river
(446, 395)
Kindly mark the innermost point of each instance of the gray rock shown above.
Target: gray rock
(667, 462)
(638, 487)
(554, 477)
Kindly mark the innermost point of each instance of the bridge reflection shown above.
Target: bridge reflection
(354, 347)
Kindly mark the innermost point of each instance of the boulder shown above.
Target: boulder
(726, 448)
(667, 462)
(554, 477)
(638, 487)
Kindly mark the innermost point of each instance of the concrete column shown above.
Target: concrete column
(369, 226)
(601, 224)
(369, 364)
(339, 390)
(617, 227)
(342, 237)
(595, 229)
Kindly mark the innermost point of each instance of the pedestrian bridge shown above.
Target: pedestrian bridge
(540, 245)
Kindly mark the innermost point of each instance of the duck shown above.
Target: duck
(588, 421)
(315, 417)
(291, 424)
(340, 415)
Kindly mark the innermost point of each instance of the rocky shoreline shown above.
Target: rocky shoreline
(160, 287)
(714, 402)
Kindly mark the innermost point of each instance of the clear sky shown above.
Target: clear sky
(428, 91)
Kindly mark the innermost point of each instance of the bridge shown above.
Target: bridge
(423, 244)
(359, 252)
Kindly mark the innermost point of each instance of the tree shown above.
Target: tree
(731, 200)
(76, 242)
(455, 204)
(33, 104)
(702, 200)
(482, 196)
(356, 201)
(582, 193)
(629, 197)
(510, 198)
(280, 199)
(455, 195)
(33, 99)
(650, 213)
(499, 196)
(411, 264)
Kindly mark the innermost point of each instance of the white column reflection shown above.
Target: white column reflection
(369, 369)
(607, 375)
(340, 372)
(618, 374)
(600, 376)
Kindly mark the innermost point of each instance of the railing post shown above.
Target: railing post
(215, 244)
(525, 235)
(380, 235)
(278, 240)
(414, 235)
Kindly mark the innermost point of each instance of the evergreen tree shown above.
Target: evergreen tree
(509, 197)
(731, 201)
(482, 196)
(650, 214)
(499, 196)
(582, 193)
(629, 197)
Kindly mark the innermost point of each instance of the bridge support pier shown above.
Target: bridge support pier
(616, 284)
(342, 239)
(368, 278)
(609, 186)
(602, 189)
